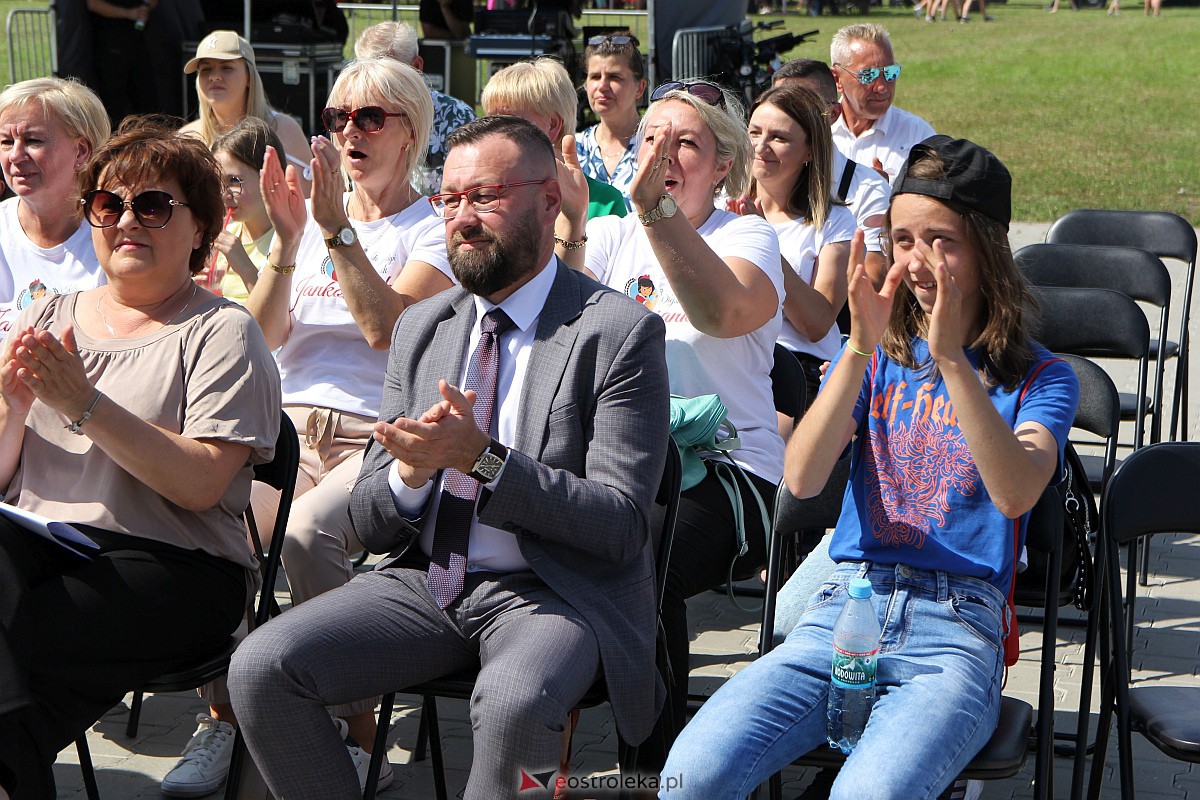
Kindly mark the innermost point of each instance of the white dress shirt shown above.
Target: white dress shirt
(490, 549)
(888, 140)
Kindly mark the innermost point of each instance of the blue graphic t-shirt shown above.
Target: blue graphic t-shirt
(915, 496)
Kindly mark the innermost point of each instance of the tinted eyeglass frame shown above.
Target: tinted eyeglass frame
(703, 90)
(143, 216)
(868, 75)
(335, 120)
(620, 40)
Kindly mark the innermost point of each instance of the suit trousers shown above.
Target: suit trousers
(382, 631)
(76, 635)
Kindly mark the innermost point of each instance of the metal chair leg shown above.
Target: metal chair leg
(379, 753)
(85, 766)
(135, 714)
(429, 712)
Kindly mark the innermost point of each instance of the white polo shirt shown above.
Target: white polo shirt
(888, 140)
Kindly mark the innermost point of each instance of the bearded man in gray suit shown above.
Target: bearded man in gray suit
(549, 584)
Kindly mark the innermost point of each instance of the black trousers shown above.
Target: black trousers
(76, 635)
(701, 553)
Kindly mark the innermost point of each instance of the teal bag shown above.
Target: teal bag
(702, 432)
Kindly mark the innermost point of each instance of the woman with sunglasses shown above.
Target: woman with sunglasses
(793, 188)
(956, 421)
(229, 89)
(135, 411)
(615, 83)
(49, 128)
(242, 248)
(342, 268)
(716, 280)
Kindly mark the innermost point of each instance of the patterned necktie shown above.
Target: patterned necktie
(447, 564)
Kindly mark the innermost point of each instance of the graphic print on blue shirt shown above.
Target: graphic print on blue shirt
(915, 495)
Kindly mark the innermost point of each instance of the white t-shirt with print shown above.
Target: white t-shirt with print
(326, 361)
(28, 272)
(801, 243)
(737, 369)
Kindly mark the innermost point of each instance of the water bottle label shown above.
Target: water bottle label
(853, 670)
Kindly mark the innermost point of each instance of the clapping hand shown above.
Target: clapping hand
(870, 310)
(650, 181)
(283, 197)
(444, 436)
(50, 370)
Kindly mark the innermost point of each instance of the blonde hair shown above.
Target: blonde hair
(392, 83)
(256, 105)
(70, 102)
(541, 84)
(388, 39)
(728, 126)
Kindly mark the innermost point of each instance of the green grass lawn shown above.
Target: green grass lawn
(1086, 110)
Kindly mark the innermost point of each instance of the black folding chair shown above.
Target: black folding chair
(1153, 491)
(1132, 272)
(1098, 323)
(279, 473)
(460, 686)
(1164, 234)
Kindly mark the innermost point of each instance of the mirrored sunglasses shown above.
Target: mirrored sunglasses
(619, 41)
(871, 74)
(367, 119)
(708, 92)
(103, 208)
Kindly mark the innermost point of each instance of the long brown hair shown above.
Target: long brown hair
(1004, 348)
(811, 196)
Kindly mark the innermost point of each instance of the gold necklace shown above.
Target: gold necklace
(172, 320)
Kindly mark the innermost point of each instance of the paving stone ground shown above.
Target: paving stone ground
(1166, 649)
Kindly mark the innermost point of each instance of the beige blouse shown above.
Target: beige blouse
(210, 376)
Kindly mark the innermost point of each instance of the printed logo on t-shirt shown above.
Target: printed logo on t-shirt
(642, 289)
(34, 291)
(920, 459)
(327, 269)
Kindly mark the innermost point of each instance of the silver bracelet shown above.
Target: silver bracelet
(77, 425)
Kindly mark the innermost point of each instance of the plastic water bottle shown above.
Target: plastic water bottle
(139, 25)
(852, 678)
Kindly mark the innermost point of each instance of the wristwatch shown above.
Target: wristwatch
(343, 238)
(487, 467)
(666, 208)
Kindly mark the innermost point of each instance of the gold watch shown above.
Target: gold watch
(666, 208)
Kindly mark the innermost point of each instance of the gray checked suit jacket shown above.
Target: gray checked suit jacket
(580, 479)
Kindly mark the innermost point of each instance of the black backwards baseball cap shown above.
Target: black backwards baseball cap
(973, 177)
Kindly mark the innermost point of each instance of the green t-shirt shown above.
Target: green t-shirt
(604, 200)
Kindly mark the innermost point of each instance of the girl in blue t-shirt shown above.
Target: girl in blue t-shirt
(956, 422)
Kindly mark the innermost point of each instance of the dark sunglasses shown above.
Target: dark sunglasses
(708, 92)
(103, 208)
(367, 119)
(871, 74)
(619, 41)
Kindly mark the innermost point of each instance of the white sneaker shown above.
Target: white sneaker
(205, 761)
(362, 760)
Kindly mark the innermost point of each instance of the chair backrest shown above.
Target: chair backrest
(1153, 491)
(1099, 410)
(279, 472)
(1160, 232)
(1097, 323)
(1128, 270)
(663, 533)
(787, 383)
(812, 513)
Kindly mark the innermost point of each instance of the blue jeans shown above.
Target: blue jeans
(794, 596)
(939, 673)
